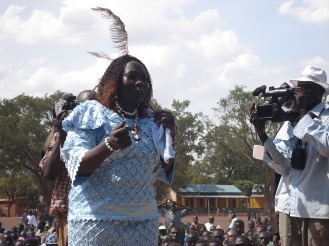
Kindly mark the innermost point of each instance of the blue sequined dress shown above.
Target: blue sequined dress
(116, 204)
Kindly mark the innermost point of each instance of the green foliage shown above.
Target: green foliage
(245, 186)
(24, 125)
(16, 184)
(188, 141)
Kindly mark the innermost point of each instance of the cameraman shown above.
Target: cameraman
(300, 154)
(51, 167)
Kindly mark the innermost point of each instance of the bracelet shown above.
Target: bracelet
(109, 146)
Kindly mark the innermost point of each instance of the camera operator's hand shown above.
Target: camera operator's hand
(258, 124)
(57, 123)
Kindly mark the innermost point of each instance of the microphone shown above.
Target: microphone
(259, 90)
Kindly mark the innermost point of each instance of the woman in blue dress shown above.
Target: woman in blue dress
(116, 147)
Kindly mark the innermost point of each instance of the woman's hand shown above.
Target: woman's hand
(119, 137)
(167, 119)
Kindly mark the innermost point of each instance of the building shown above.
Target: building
(257, 198)
(203, 197)
(20, 204)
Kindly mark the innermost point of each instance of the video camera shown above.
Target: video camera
(68, 102)
(276, 97)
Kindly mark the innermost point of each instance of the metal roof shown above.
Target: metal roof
(257, 195)
(213, 196)
(203, 188)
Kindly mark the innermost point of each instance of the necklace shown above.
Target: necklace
(121, 112)
(134, 132)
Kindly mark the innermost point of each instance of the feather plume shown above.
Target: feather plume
(101, 55)
(117, 30)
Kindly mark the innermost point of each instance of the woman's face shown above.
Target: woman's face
(135, 85)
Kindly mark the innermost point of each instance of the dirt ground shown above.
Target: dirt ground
(223, 221)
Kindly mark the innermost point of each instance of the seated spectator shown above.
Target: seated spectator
(51, 240)
(233, 219)
(2, 230)
(242, 241)
(200, 229)
(191, 238)
(7, 235)
(263, 238)
(195, 222)
(218, 233)
(174, 233)
(230, 241)
(214, 242)
(3, 241)
(257, 230)
(167, 241)
(210, 223)
(31, 241)
(212, 228)
(19, 243)
(258, 221)
(251, 224)
(238, 228)
(162, 233)
(201, 242)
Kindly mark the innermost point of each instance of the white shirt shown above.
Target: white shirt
(231, 226)
(208, 225)
(302, 193)
(31, 220)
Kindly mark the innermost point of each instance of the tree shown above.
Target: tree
(245, 186)
(188, 142)
(14, 184)
(24, 125)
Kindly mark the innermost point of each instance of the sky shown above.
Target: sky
(196, 50)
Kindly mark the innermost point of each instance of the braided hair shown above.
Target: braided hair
(111, 82)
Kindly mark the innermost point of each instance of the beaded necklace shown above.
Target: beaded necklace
(122, 113)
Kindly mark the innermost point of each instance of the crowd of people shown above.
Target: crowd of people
(212, 234)
(30, 232)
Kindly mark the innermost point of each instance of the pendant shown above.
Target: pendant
(135, 134)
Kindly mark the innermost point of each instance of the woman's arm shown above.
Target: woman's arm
(119, 139)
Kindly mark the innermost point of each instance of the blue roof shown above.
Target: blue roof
(203, 188)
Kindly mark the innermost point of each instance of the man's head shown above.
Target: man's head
(171, 205)
(211, 219)
(242, 240)
(201, 228)
(191, 228)
(86, 95)
(174, 233)
(218, 233)
(233, 215)
(195, 218)
(263, 238)
(239, 227)
(162, 230)
(191, 238)
(251, 224)
(214, 242)
(311, 87)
